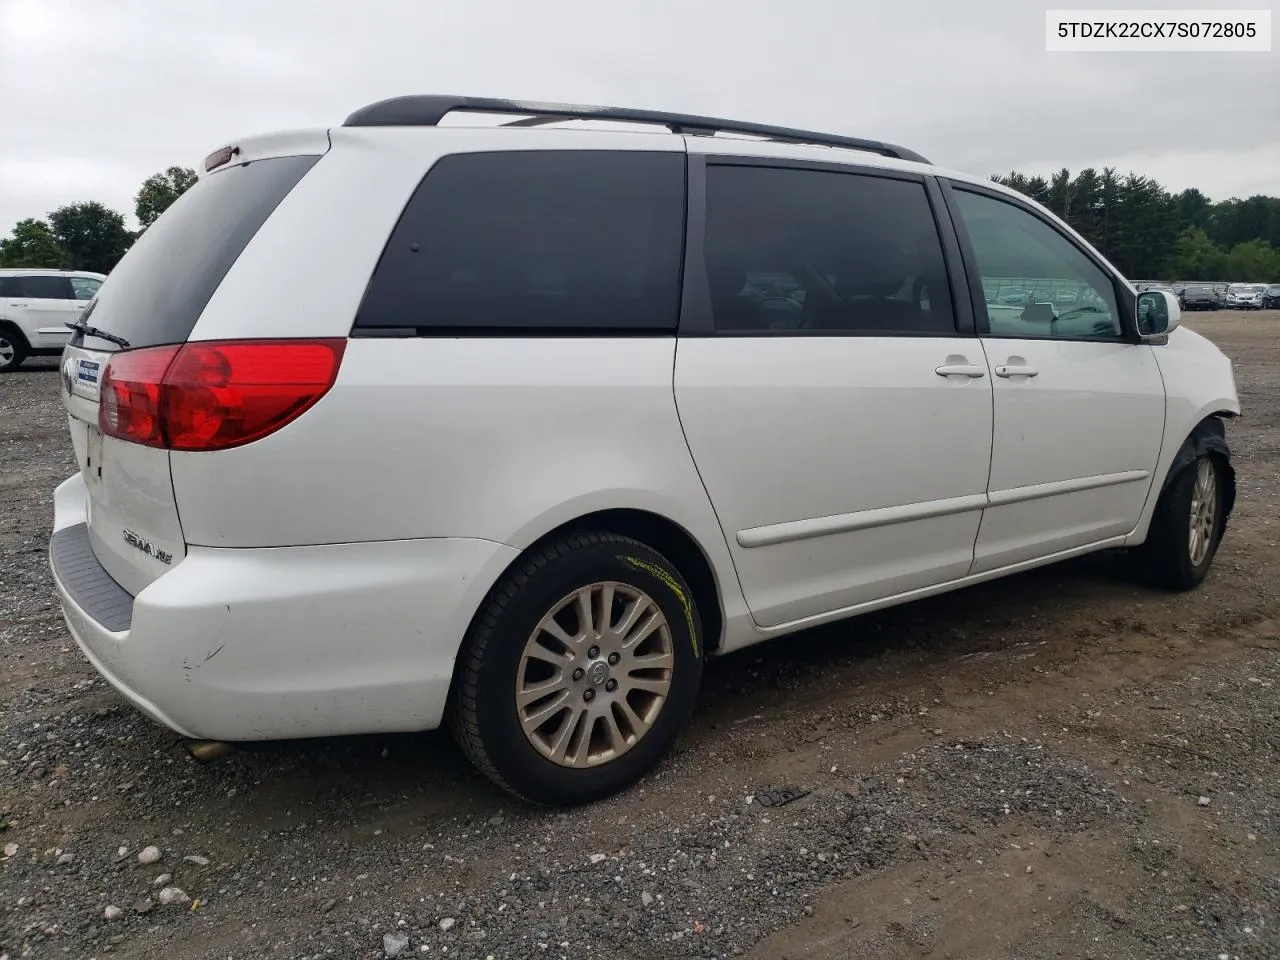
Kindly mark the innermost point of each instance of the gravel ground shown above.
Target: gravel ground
(1064, 764)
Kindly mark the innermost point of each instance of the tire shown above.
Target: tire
(13, 349)
(571, 757)
(1173, 556)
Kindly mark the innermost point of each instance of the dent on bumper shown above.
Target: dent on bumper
(297, 641)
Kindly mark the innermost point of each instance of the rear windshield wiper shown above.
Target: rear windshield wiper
(81, 327)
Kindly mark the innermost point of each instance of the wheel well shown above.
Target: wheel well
(673, 542)
(10, 327)
(1209, 436)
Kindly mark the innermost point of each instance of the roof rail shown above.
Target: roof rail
(429, 110)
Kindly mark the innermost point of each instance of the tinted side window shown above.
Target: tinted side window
(8, 286)
(1036, 282)
(546, 240)
(159, 289)
(815, 252)
(44, 288)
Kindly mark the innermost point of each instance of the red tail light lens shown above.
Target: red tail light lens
(210, 396)
(129, 407)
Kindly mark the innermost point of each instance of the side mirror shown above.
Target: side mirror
(1158, 314)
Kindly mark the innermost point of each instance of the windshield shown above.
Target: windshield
(1244, 288)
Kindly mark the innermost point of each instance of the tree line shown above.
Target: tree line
(90, 235)
(1145, 230)
(1150, 233)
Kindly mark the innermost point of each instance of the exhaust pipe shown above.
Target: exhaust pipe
(205, 751)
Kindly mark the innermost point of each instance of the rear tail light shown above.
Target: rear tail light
(210, 396)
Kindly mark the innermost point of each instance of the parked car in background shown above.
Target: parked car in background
(1271, 297)
(35, 308)
(1200, 297)
(575, 410)
(1245, 296)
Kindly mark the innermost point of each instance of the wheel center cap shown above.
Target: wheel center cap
(598, 673)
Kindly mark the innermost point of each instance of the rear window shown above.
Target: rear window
(545, 241)
(158, 291)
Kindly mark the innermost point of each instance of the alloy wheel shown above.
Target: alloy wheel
(594, 674)
(1204, 511)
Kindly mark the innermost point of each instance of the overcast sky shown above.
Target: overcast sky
(98, 94)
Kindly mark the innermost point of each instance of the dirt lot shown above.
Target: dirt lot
(1065, 764)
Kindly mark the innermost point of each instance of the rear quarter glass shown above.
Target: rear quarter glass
(158, 291)
(536, 242)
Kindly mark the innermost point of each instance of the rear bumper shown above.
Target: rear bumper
(280, 643)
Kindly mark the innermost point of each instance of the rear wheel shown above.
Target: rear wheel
(1187, 526)
(13, 349)
(579, 669)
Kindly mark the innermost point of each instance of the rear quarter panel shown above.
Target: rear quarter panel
(499, 439)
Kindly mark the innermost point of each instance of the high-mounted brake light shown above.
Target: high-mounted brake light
(220, 157)
(215, 395)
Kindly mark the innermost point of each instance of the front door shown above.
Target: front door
(840, 423)
(1079, 405)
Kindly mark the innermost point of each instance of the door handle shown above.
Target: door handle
(1016, 370)
(15, 303)
(970, 370)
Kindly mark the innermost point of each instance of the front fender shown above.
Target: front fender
(1200, 391)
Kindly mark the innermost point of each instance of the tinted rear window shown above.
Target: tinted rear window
(540, 241)
(157, 292)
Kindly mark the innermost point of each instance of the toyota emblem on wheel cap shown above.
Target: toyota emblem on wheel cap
(598, 673)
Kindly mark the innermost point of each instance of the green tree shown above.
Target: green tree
(32, 244)
(93, 236)
(1145, 227)
(1150, 233)
(1086, 203)
(1196, 257)
(159, 191)
(1108, 205)
(1061, 197)
(1193, 208)
(1254, 261)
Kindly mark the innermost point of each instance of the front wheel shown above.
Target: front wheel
(1187, 526)
(579, 670)
(13, 350)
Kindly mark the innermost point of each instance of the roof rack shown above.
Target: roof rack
(429, 110)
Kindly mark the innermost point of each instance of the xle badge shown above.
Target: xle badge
(147, 547)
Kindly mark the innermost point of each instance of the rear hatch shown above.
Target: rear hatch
(153, 298)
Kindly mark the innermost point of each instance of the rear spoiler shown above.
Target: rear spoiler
(289, 143)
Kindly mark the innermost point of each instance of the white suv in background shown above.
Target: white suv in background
(35, 308)
(574, 409)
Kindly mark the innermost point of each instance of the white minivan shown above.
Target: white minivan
(37, 308)
(513, 426)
